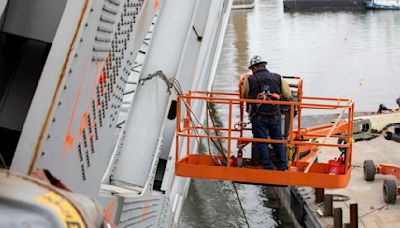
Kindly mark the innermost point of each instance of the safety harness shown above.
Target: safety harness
(265, 94)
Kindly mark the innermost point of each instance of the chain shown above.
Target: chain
(241, 125)
(160, 75)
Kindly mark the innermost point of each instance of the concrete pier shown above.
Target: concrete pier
(322, 4)
(372, 210)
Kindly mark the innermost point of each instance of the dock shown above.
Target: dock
(372, 209)
(289, 5)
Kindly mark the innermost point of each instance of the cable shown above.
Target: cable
(172, 83)
(221, 151)
(220, 148)
(240, 204)
(208, 142)
(204, 129)
(198, 145)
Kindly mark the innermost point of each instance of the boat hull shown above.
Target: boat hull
(383, 4)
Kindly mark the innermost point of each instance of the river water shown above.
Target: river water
(332, 51)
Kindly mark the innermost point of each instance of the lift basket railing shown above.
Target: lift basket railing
(195, 159)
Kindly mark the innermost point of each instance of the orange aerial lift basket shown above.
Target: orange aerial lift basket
(199, 145)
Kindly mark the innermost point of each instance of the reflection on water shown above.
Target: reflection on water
(332, 51)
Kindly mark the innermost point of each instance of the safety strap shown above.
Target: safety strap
(262, 88)
(264, 84)
(269, 77)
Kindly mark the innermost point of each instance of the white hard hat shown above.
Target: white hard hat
(256, 59)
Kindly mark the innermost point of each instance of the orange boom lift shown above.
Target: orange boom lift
(302, 144)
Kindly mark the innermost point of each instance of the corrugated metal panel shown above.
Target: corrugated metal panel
(141, 213)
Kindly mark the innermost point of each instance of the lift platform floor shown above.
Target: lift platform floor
(202, 166)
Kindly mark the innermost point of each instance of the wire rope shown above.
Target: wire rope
(174, 84)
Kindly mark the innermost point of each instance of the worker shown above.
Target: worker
(266, 118)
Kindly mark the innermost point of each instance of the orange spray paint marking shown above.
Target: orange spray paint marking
(102, 78)
(69, 139)
(98, 103)
(144, 211)
(84, 121)
(83, 124)
(146, 207)
(108, 211)
(69, 142)
(94, 85)
(156, 4)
